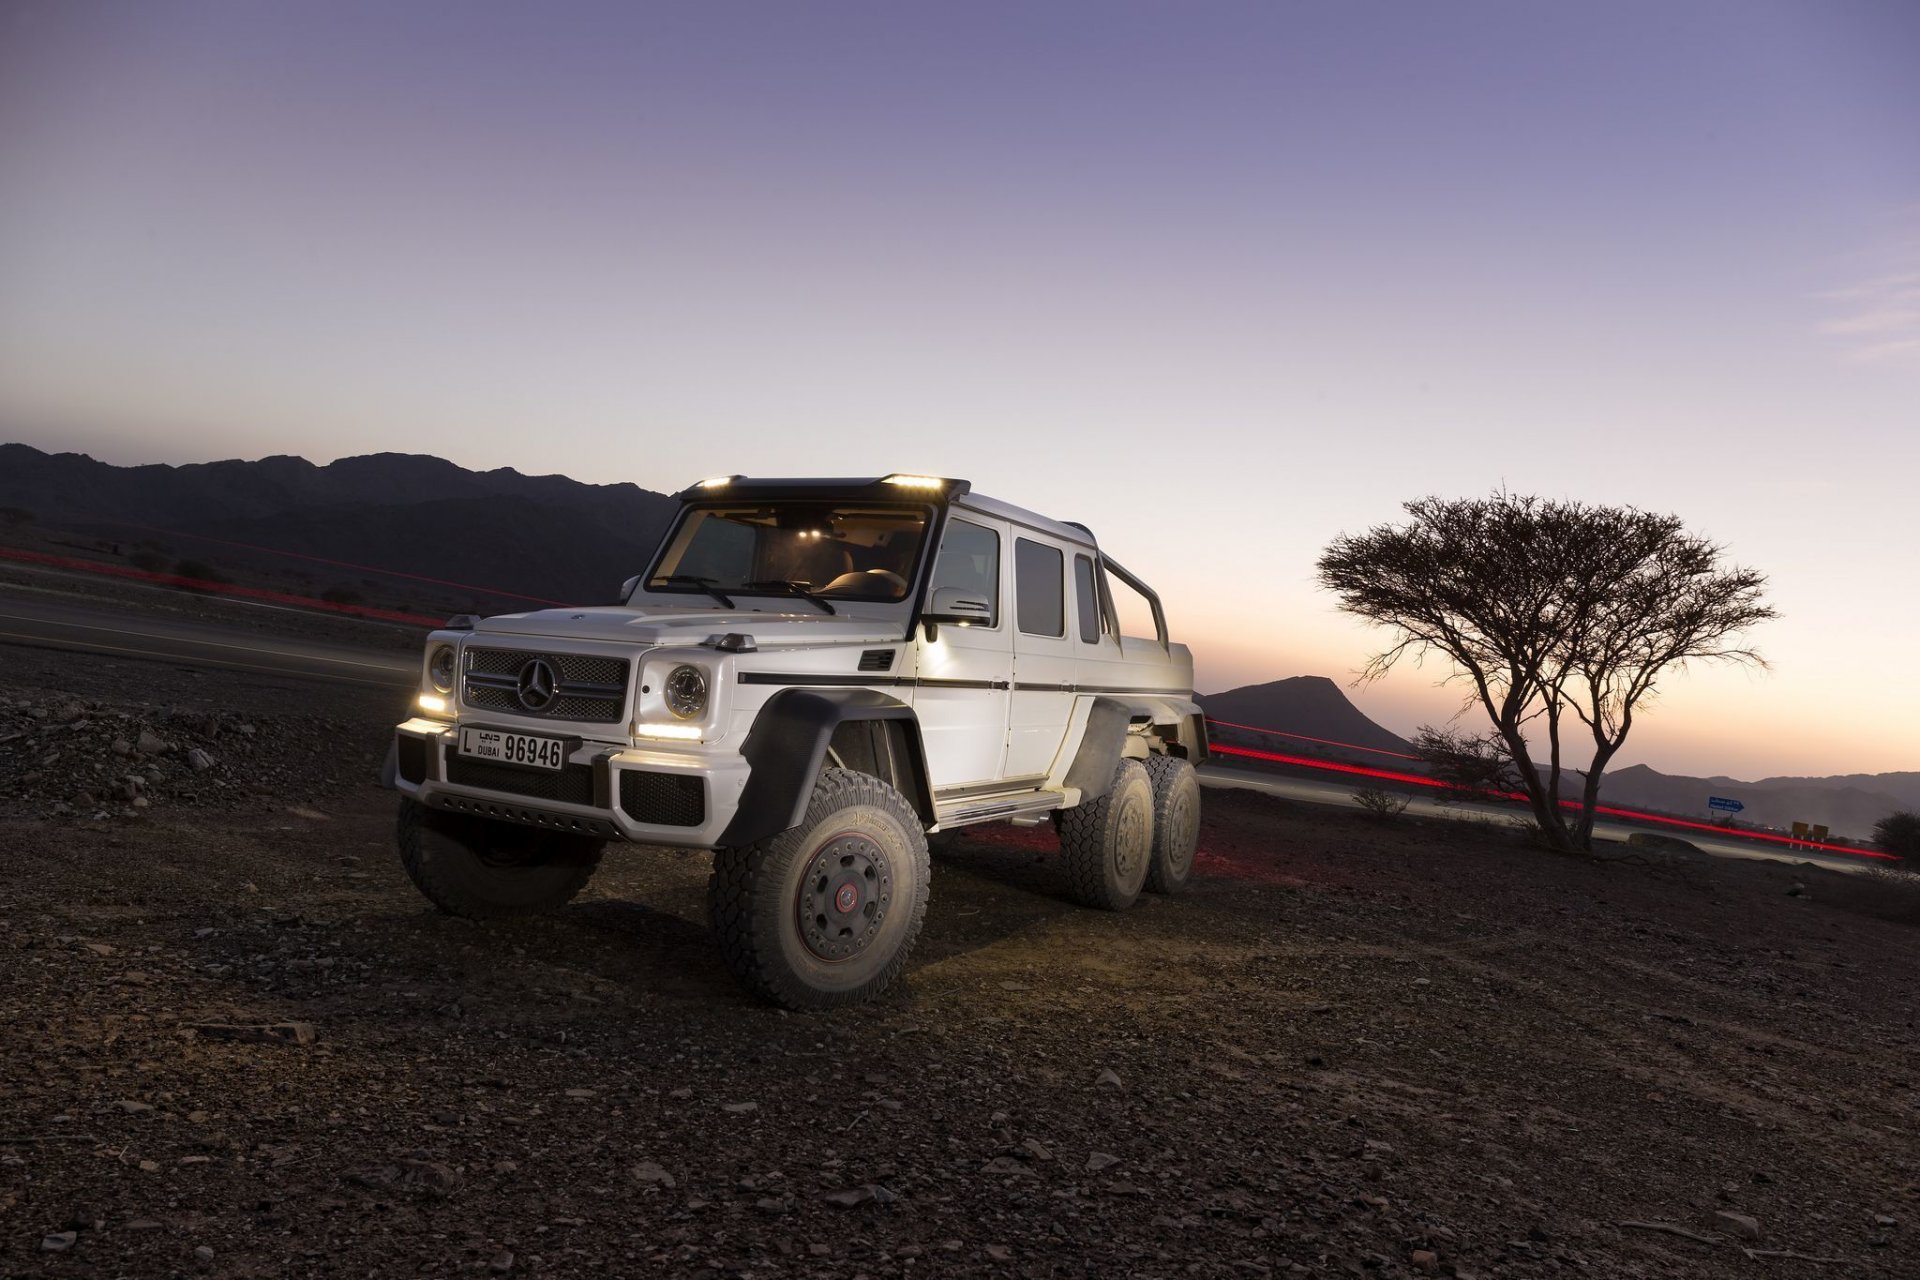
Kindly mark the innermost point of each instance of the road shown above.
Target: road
(49, 622)
(1337, 792)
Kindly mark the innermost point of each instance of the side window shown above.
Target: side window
(1086, 599)
(970, 562)
(1040, 591)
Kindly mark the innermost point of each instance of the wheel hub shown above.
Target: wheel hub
(1130, 839)
(844, 897)
(1184, 820)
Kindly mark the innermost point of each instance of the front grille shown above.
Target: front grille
(663, 799)
(565, 707)
(571, 785)
(592, 690)
(573, 667)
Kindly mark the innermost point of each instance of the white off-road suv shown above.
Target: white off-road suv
(812, 676)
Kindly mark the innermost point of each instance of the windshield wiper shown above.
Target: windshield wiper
(788, 588)
(705, 584)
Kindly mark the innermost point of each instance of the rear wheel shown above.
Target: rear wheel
(1176, 823)
(1107, 841)
(484, 870)
(825, 914)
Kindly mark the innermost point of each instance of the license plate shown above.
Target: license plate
(527, 750)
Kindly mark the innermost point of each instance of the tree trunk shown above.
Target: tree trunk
(1589, 797)
(1546, 809)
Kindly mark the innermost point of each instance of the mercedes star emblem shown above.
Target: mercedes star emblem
(538, 685)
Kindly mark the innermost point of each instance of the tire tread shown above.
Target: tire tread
(749, 942)
(1083, 838)
(1164, 773)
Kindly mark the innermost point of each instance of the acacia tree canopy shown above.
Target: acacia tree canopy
(1558, 613)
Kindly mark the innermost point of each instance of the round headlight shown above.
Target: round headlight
(440, 668)
(686, 692)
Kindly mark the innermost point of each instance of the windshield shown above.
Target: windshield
(840, 551)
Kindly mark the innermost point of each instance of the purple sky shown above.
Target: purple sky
(1222, 280)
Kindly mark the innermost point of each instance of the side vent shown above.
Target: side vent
(877, 660)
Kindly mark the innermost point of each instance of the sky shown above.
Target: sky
(1221, 280)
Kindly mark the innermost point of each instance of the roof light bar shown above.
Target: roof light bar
(917, 482)
(718, 482)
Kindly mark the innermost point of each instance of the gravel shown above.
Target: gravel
(239, 1043)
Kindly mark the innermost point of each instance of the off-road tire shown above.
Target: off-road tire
(1176, 823)
(776, 905)
(1108, 841)
(484, 870)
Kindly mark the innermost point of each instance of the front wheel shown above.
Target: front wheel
(485, 870)
(825, 914)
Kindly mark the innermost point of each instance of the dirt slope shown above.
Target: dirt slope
(1353, 1049)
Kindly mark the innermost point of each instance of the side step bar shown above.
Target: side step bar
(1024, 808)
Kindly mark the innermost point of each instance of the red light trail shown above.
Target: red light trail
(267, 596)
(218, 588)
(1631, 814)
(1330, 742)
(348, 564)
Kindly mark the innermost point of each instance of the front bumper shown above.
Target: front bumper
(647, 795)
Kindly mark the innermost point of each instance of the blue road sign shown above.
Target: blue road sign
(1724, 805)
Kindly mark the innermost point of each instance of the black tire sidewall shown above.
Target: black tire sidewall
(1091, 834)
(1130, 802)
(768, 951)
(1174, 842)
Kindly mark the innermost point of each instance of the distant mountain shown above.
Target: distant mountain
(1307, 706)
(545, 536)
(1903, 787)
(1847, 805)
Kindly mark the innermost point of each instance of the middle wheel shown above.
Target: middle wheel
(1109, 840)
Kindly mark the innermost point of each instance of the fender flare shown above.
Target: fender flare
(787, 746)
(1102, 744)
(1107, 738)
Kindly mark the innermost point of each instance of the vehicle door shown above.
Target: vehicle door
(961, 695)
(1043, 656)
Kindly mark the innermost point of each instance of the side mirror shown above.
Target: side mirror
(958, 605)
(626, 588)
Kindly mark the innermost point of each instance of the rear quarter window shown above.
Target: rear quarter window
(1086, 600)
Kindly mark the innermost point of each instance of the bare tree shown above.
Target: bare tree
(1562, 617)
(1471, 766)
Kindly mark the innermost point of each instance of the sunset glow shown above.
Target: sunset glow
(1222, 281)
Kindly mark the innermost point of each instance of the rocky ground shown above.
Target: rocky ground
(63, 755)
(238, 1043)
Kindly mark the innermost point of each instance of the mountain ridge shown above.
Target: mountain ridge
(542, 537)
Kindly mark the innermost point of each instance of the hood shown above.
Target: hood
(691, 626)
